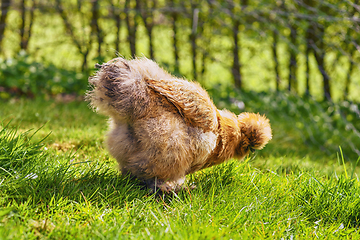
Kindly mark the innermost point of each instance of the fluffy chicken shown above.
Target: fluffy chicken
(163, 128)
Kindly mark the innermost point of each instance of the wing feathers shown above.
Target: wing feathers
(190, 99)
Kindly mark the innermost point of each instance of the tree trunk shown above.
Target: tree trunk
(83, 49)
(351, 51)
(310, 37)
(146, 12)
(326, 79)
(319, 52)
(236, 62)
(84, 66)
(292, 63)
(95, 29)
(195, 18)
(116, 16)
(151, 45)
(291, 47)
(118, 29)
(131, 23)
(174, 18)
(348, 79)
(5, 5)
(276, 61)
(26, 26)
(307, 53)
(23, 23)
(236, 68)
(309, 6)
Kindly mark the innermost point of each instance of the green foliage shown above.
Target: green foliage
(22, 76)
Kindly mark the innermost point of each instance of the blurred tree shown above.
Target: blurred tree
(82, 41)
(274, 23)
(275, 57)
(95, 29)
(289, 9)
(319, 47)
(193, 36)
(205, 31)
(115, 11)
(131, 12)
(309, 7)
(350, 44)
(5, 5)
(174, 12)
(236, 21)
(26, 23)
(202, 39)
(146, 8)
(315, 42)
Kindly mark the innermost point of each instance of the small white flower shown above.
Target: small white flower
(56, 79)
(32, 69)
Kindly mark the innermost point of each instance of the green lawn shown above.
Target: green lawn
(66, 186)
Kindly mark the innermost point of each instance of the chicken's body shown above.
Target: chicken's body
(163, 128)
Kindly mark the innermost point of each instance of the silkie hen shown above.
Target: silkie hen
(163, 127)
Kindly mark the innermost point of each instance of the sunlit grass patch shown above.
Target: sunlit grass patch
(67, 185)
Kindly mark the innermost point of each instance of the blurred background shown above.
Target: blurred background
(303, 46)
(297, 61)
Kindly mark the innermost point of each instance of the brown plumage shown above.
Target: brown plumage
(163, 127)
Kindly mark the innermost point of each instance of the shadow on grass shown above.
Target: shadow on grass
(93, 184)
(102, 186)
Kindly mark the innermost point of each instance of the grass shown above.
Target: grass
(66, 186)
